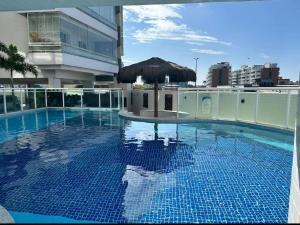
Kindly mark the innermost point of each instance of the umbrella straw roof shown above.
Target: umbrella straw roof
(156, 69)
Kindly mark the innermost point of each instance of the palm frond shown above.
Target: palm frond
(27, 67)
(2, 61)
(32, 69)
(3, 47)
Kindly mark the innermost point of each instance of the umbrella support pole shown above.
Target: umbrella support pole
(156, 99)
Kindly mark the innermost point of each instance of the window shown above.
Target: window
(44, 27)
(65, 38)
(72, 36)
(81, 44)
(107, 12)
(125, 102)
(168, 102)
(145, 100)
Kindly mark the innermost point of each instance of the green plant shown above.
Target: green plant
(11, 60)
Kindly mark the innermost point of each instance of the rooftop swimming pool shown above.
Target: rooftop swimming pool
(93, 166)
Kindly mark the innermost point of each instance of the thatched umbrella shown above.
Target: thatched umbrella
(154, 71)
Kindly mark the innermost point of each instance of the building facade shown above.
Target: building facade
(219, 75)
(69, 45)
(260, 75)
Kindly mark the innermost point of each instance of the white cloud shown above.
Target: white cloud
(145, 12)
(264, 56)
(195, 43)
(207, 51)
(163, 22)
(128, 61)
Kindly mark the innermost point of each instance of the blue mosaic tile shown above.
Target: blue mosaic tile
(95, 166)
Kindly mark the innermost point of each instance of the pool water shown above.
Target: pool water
(93, 166)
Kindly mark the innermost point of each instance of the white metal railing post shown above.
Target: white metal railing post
(36, 121)
(63, 97)
(23, 123)
(256, 106)
(122, 100)
(237, 105)
(81, 99)
(110, 103)
(34, 97)
(46, 100)
(21, 99)
(177, 113)
(118, 99)
(99, 101)
(218, 102)
(288, 109)
(4, 102)
(47, 118)
(197, 99)
(64, 116)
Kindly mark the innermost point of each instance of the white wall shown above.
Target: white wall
(72, 60)
(229, 106)
(14, 30)
(138, 100)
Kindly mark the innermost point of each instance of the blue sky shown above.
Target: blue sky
(244, 33)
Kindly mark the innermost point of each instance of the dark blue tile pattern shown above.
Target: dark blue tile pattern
(95, 166)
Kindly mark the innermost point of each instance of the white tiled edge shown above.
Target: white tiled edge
(5, 216)
(294, 205)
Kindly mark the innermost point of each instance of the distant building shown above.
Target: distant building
(284, 81)
(219, 75)
(260, 75)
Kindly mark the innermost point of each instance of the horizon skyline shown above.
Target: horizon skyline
(234, 35)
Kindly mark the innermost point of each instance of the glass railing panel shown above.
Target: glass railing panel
(227, 105)
(54, 98)
(104, 98)
(114, 99)
(40, 99)
(272, 108)
(187, 104)
(247, 105)
(13, 103)
(90, 99)
(28, 99)
(72, 98)
(121, 99)
(1, 101)
(207, 105)
(293, 110)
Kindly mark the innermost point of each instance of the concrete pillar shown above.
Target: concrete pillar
(54, 82)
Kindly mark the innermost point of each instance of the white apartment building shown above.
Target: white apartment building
(247, 75)
(69, 45)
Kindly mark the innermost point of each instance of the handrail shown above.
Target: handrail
(78, 89)
(239, 88)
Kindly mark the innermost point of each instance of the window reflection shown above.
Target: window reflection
(47, 30)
